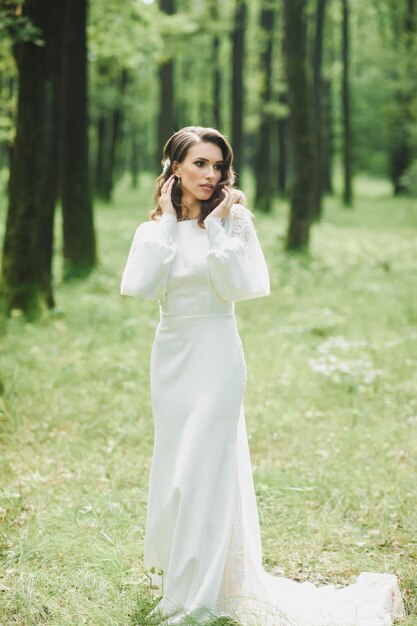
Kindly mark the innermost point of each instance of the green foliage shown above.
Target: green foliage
(330, 407)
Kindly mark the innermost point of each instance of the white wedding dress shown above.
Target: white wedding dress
(202, 543)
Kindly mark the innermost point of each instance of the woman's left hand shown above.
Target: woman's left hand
(223, 209)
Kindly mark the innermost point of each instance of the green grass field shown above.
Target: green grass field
(331, 410)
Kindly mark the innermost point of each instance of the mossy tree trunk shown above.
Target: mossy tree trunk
(300, 125)
(27, 250)
(79, 248)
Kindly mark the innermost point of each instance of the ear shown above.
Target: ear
(175, 168)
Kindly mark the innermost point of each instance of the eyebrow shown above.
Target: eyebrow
(203, 159)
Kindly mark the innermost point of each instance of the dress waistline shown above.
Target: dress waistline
(185, 320)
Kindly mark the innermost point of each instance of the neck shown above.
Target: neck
(190, 206)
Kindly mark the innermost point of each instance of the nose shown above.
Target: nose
(210, 171)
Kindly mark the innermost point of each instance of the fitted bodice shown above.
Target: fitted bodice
(190, 290)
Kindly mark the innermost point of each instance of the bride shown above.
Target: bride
(197, 255)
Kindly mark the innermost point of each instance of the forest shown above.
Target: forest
(311, 94)
(319, 101)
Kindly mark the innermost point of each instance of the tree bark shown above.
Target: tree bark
(347, 127)
(299, 120)
(282, 130)
(238, 54)
(77, 207)
(166, 93)
(27, 249)
(263, 165)
(109, 128)
(217, 80)
(317, 125)
(327, 153)
(401, 155)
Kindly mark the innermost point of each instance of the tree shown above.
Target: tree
(317, 125)
(166, 124)
(299, 120)
(217, 78)
(77, 207)
(403, 118)
(238, 55)
(27, 250)
(263, 168)
(346, 112)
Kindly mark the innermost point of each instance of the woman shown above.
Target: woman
(198, 255)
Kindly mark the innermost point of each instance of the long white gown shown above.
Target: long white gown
(202, 541)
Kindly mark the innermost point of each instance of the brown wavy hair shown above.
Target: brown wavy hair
(176, 149)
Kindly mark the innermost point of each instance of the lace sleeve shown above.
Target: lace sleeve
(236, 261)
(241, 227)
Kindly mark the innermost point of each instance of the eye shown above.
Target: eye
(200, 163)
(219, 167)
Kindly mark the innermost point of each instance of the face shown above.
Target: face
(200, 171)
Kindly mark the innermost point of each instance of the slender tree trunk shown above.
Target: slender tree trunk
(282, 129)
(347, 127)
(109, 128)
(27, 251)
(238, 55)
(317, 112)
(298, 100)
(116, 136)
(166, 125)
(77, 207)
(217, 80)
(263, 165)
(282, 126)
(327, 169)
(100, 156)
(401, 154)
(134, 157)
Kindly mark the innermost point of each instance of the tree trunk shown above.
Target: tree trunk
(401, 143)
(347, 129)
(327, 153)
(298, 100)
(217, 80)
(27, 251)
(109, 128)
(166, 93)
(317, 112)
(100, 156)
(134, 157)
(282, 126)
(238, 54)
(77, 207)
(263, 166)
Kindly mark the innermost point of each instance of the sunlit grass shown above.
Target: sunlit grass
(331, 410)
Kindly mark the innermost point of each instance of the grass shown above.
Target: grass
(331, 410)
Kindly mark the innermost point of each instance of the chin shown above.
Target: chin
(204, 195)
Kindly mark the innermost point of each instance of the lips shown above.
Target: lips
(208, 187)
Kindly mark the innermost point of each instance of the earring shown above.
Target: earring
(179, 180)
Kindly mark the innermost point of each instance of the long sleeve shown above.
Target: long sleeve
(150, 258)
(236, 262)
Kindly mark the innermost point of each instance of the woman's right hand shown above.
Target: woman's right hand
(165, 201)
